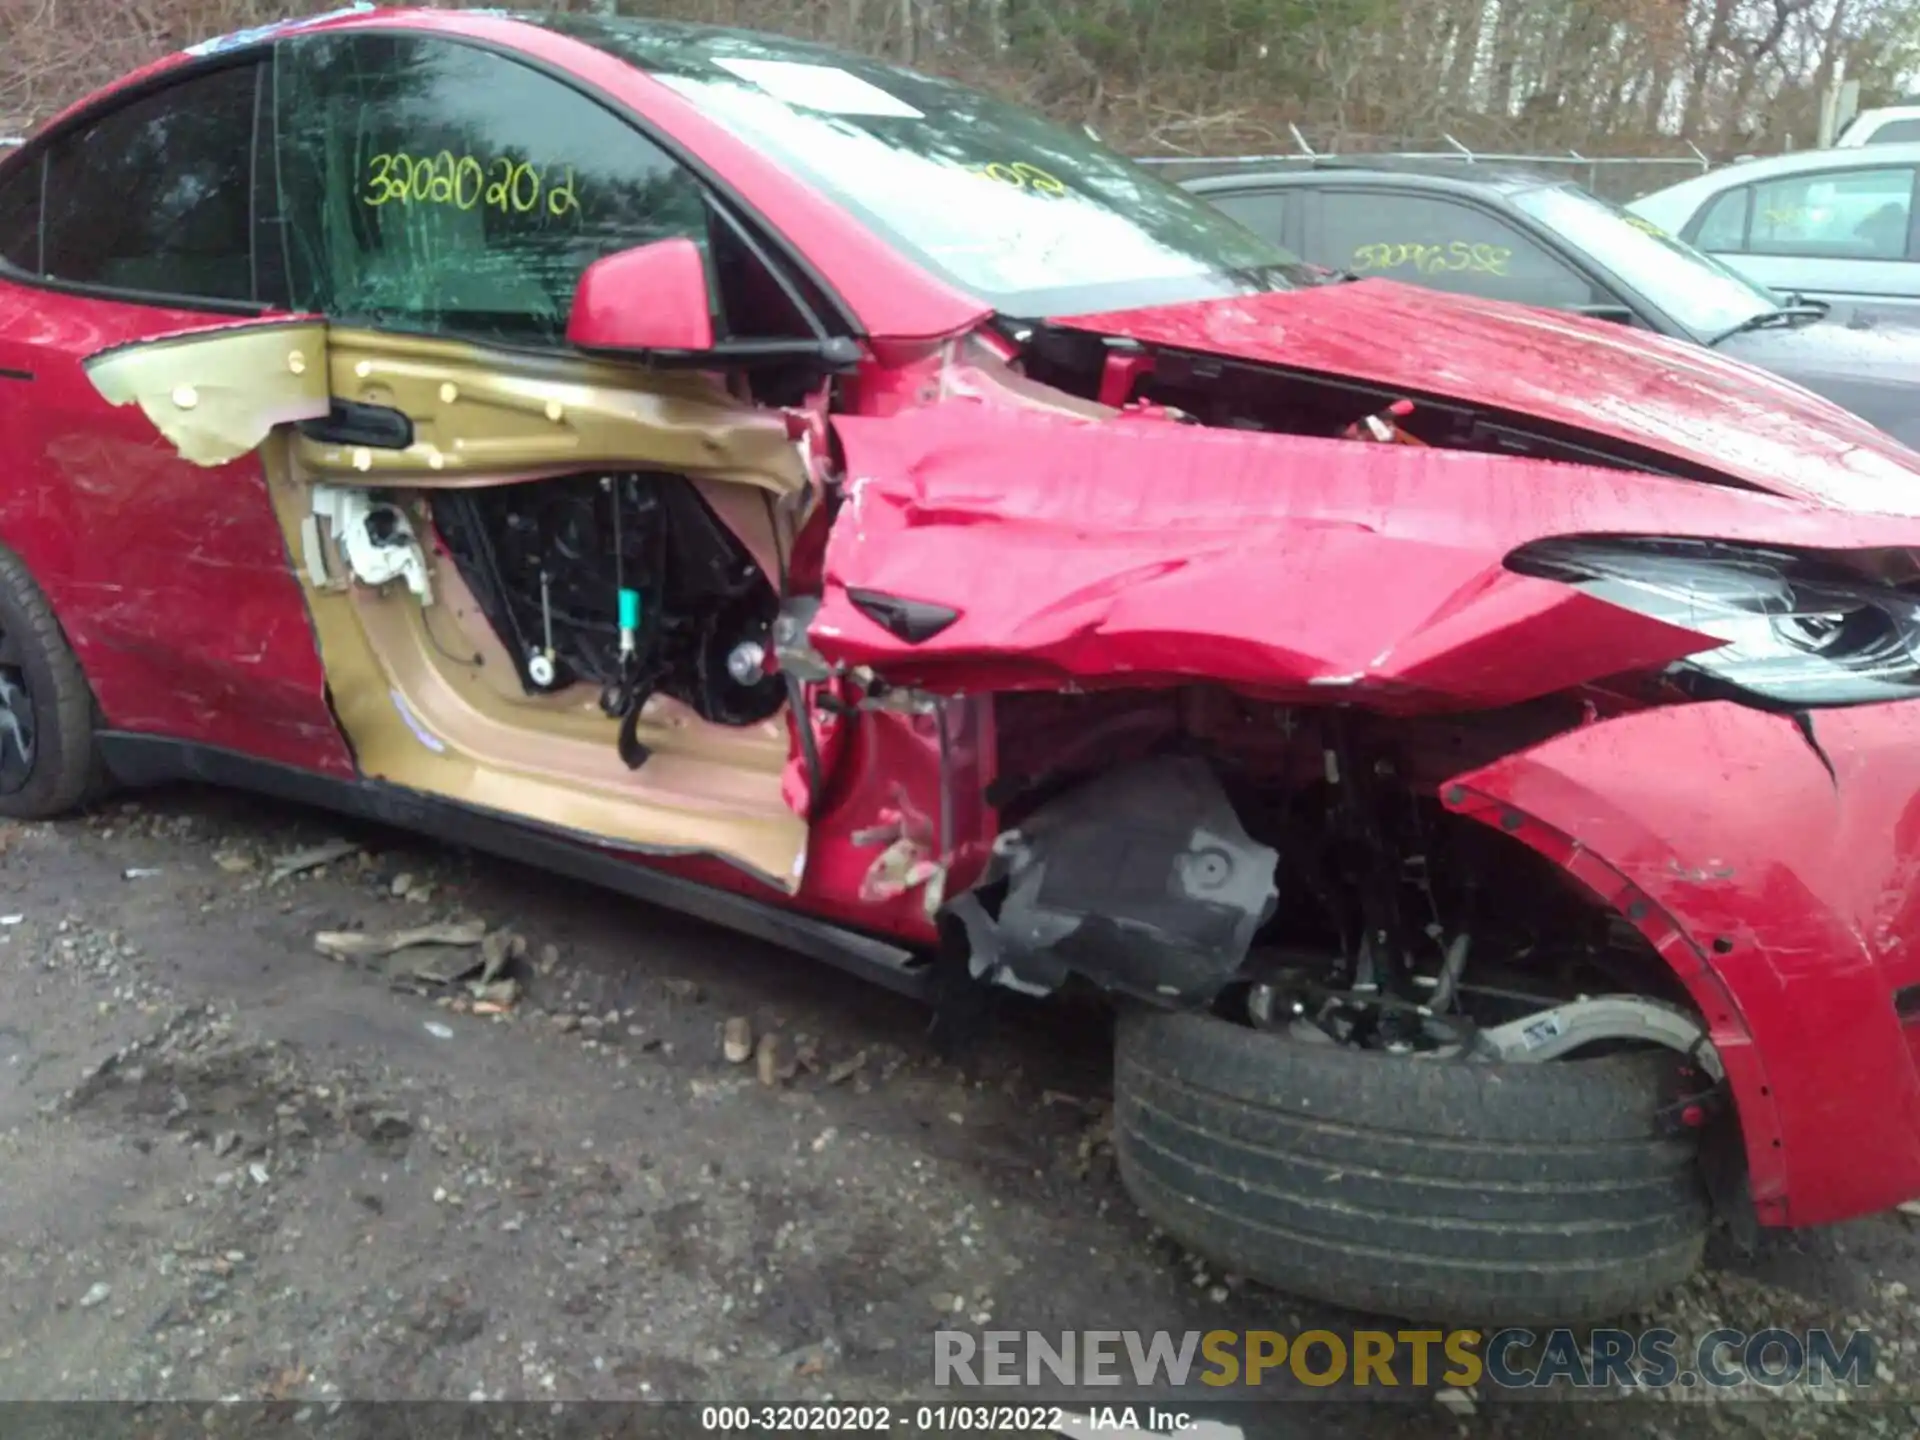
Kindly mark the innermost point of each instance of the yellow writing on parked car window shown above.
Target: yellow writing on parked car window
(1647, 225)
(466, 182)
(1023, 176)
(1432, 259)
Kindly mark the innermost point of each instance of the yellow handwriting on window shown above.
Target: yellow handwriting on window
(397, 178)
(1023, 176)
(1647, 225)
(1431, 259)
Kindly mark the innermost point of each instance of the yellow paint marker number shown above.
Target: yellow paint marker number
(1023, 176)
(1432, 259)
(512, 188)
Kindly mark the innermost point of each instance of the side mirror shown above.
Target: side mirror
(1618, 314)
(651, 298)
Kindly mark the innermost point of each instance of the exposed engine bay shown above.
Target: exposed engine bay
(624, 581)
(1235, 395)
(1292, 870)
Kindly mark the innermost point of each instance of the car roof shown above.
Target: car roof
(1436, 174)
(1799, 162)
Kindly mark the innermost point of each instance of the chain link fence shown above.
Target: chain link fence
(1618, 178)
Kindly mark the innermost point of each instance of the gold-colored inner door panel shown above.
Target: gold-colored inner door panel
(482, 416)
(427, 694)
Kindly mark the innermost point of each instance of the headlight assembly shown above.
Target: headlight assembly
(1798, 631)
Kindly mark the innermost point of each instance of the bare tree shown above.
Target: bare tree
(1219, 74)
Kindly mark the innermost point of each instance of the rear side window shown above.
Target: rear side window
(155, 197)
(1844, 215)
(1723, 225)
(435, 187)
(1444, 245)
(1265, 212)
(20, 217)
(1895, 132)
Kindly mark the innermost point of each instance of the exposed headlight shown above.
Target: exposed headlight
(1798, 631)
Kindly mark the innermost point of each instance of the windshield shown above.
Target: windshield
(1699, 292)
(1032, 218)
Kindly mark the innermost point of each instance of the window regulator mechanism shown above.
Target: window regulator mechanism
(543, 666)
(624, 696)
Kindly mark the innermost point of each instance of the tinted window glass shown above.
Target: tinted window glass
(20, 218)
(426, 185)
(155, 196)
(1444, 245)
(1263, 212)
(1724, 225)
(1895, 132)
(1851, 215)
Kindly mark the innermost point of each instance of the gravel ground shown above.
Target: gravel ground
(232, 1166)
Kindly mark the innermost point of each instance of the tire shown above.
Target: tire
(45, 700)
(1460, 1192)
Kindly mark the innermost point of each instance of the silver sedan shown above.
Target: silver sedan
(1839, 225)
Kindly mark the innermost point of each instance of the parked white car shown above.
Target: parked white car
(1840, 225)
(1889, 125)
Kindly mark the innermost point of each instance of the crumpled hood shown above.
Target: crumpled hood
(1138, 551)
(1677, 400)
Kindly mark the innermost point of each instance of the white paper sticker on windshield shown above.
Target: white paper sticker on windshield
(818, 87)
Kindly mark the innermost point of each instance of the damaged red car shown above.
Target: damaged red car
(1477, 749)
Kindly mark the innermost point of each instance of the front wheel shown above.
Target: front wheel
(1461, 1192)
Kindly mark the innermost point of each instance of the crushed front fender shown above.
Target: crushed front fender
(1786, 898)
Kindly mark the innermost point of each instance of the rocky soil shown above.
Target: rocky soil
(240, 1163)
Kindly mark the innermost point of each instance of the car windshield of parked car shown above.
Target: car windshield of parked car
(1700, 293)
(1033, 218)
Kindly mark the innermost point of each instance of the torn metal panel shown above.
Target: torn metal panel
(1145, 552)
(1143, 882)
(217, 394)
(1676, 400)
(481, 416)
(169, 576)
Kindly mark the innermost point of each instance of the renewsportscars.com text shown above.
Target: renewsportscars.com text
(1505, 1359)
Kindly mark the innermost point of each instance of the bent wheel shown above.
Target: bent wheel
(48, 763)
(1453, 1191)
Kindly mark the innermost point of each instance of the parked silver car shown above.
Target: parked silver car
(1839, 225)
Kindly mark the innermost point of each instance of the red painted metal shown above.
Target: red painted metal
(653, 297)
(1787, 900)
(1136, 552)
(171, 579)
(1678, 401)
(1140, 551)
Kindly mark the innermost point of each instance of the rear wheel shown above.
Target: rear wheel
(48, 761)
(1459, 1191)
